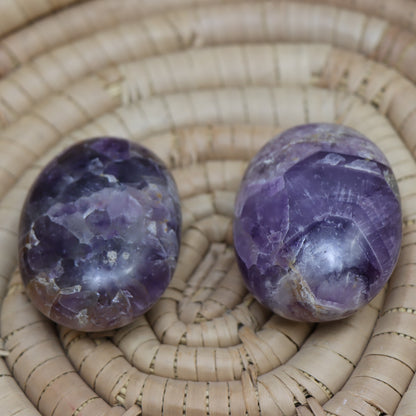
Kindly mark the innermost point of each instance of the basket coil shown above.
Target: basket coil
(204, 84)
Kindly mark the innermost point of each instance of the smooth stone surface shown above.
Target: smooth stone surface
(99, 234)
(317, 227)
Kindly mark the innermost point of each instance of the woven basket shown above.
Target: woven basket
(205, 83)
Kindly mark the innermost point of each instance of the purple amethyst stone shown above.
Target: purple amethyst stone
(99, 234)
(317, 227)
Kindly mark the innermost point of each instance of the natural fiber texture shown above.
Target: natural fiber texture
(205, 84)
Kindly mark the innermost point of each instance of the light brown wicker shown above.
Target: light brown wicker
(204, 83)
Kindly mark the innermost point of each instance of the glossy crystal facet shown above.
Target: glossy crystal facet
(99, 234)
(317, 227)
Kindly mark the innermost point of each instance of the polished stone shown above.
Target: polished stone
(99, 234)
(317, 227)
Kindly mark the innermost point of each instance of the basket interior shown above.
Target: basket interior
(204, 84)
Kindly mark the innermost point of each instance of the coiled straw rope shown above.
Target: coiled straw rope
(204, 84)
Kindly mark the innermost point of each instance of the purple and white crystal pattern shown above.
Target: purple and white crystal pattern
(317, 227)
(99, 234)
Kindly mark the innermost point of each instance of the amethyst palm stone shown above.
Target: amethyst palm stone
(99, 234)
(317, 227)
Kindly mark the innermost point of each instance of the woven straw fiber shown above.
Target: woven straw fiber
(204, 84)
